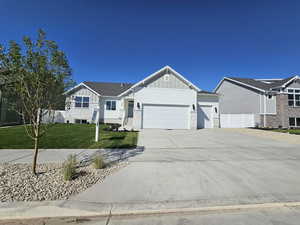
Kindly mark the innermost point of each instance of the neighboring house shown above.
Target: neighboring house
(259, 102)
(165, 100)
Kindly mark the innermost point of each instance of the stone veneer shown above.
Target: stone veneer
(281, 119)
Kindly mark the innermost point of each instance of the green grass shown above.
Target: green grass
(67, 136)
(291, 131)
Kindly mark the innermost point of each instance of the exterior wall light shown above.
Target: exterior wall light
(138, 105)
(194, 107)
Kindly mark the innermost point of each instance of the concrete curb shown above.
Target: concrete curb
(56, 210)
(207, 209)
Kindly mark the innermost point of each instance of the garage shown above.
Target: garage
(204, 116)
(165, 116)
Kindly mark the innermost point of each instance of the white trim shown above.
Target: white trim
(81, 96)
(238, 82)
(157, 73)
(109, 100)
(270, 79)
(292, 79)
(81, 84)
(286, 83)
(294, 94)
(219, 84)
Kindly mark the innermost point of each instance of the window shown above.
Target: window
(294, 122)
(82, 102)
(110, 105)
(294, 97)
(81, 121)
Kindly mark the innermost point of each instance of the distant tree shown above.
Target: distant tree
(35, 74)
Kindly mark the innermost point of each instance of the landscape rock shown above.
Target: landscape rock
(18, 183)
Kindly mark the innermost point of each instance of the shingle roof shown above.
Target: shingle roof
(108, 89)
(279, 83)
(260, 83)
(206, 92)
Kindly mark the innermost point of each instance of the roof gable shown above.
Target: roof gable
(259, 84)
(108, 88)
(103, 88)
(159, 73)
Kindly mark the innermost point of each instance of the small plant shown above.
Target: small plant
(69, 167)
(112, 127)
(98, 162)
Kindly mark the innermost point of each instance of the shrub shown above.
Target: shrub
(69, 167)
(98, 162)
(112, 127)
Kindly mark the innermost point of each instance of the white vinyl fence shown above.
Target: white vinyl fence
(57, 116)
(237, 120)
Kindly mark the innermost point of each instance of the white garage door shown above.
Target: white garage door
(237, 120)
(204, 119)
(165, 116)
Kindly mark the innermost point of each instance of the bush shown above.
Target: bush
(112, 127)
(69, 167)
(98, 162)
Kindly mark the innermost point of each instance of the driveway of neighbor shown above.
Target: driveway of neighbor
(206, 167)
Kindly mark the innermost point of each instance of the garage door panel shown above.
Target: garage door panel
(165, 116)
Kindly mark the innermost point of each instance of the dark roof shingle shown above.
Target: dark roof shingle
(260, 83)
(107, 88)
(206, 92)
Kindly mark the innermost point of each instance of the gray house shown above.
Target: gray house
(164, 99)
(246, 102)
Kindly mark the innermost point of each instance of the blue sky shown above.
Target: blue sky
(124, 41)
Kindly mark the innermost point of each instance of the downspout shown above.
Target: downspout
(265, 110)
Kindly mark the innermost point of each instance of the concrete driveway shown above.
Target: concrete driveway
(203, 167)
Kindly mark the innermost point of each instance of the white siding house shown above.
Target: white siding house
(164, 100)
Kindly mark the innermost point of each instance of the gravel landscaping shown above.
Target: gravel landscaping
(17, 183)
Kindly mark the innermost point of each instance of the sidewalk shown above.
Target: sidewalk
(60, 209)
(59, 155)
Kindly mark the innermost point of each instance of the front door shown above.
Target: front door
(130, 109)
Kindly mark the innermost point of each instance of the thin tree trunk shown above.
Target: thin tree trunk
(36, 142)
(36, 149)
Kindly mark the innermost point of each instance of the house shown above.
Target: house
(164, 99)
(247, 102)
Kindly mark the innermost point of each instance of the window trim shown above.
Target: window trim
(111, 108)
(294, 94)
(295, 122)
(81, 121)
(82, 102)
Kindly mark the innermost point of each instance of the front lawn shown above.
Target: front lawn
(291, 131)
(68, 136)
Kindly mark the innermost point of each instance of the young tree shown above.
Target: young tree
(34, 74)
